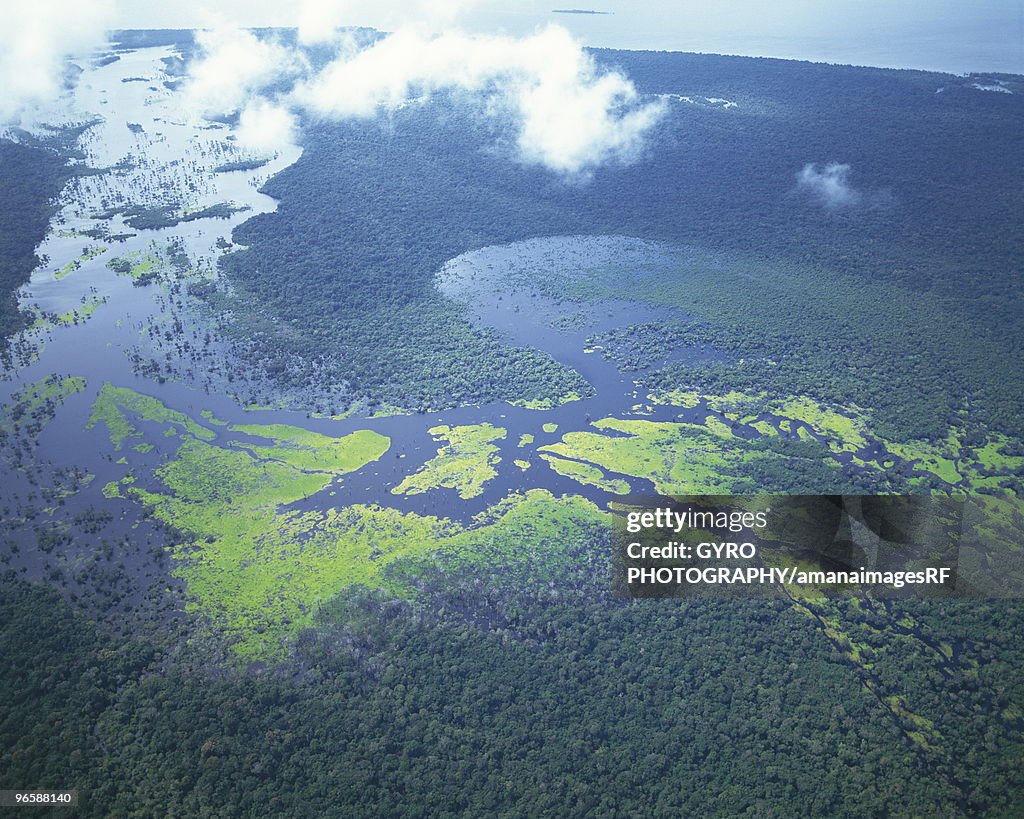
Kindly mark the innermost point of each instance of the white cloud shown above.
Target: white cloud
(569, 115)
(35, 39)
(265, 128)
(318, 20)
(831, 185)
(234, 67)
(560, 109)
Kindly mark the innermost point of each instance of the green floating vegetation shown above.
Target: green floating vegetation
(46, 321)
(158, 260)
(587, 473)
(677, 398)
(533, 530)
(35, 404)
(142, 267)
(546, 403)
(113, 489)
(525, 439)
(258, 571)
(992, 462)
(113, 404)
(465, 463)
(550, 427)
(938, 458)
(675, 457)
(77, 314)
(255, 571)
(844, 429)
(313, 452)
(74, 264)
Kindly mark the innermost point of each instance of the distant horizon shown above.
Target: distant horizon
(925, 35)
(817, 61)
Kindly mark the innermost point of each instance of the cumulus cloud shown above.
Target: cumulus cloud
(234, 67)
(264, 127)
(35, 40)
(556, 105)
(829, 185)
(569, 115)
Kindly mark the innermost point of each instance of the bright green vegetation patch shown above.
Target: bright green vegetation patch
(465, 463)
(45, 321)
(106, 411)
(747, 454)
(387, 411)
(938, 458)
(74, 264)
(156, 261)
(993, 464)
(525, 439)
(843, 429)
(35, 404)
(969, 461)
(279, 405)
(259, 571)
(531, 530)
(677, 398)
(546, 403)
(112, 489)
(313, 452)
(990, 462)
(995, 456)
(209, 416)
(115, 403)
(523, 465)
(208, 476)
(587, 473)
(137, 265)
(549, 428)
(77, 314)
(676, 458)
(980, 461)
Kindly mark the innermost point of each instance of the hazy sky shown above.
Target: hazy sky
(984, 35)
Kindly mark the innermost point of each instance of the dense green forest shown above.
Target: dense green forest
(31, 176)
(373, 209)
(490, 696)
